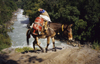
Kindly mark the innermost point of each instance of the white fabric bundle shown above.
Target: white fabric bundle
(46, 18)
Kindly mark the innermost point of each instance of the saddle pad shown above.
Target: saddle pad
(38, 23)
(37, 27)
(39, 20)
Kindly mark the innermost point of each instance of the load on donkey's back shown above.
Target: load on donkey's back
(41, 23)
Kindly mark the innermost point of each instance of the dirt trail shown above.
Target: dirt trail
(64, 55)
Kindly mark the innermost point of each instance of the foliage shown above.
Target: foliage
(80, 29)
(96, 45)
(4, 41)
(6, 9)
(83, 14)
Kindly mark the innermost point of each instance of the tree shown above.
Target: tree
(83, 14)
(6, 9)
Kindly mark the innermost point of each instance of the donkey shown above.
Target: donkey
(51, 32)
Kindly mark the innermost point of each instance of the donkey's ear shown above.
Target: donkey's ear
(71, 25)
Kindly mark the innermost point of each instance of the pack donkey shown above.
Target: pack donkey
(50, 33)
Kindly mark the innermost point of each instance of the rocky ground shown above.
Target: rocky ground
(63, 55)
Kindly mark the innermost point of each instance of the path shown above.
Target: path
(63, 55)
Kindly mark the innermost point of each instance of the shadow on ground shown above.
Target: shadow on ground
(39, 51)
(3, 59)
(29, 59)
(35, 58)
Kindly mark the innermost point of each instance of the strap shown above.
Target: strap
(63, 27)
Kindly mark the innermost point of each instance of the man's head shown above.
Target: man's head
(41, 10)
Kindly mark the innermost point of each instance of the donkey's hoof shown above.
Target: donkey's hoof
(46, 50)
(42, 51)
(54, 49)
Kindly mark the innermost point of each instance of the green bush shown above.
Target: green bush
(24, 49)
(6, 9)
(96, 45)
(83, 14)
(5, 41)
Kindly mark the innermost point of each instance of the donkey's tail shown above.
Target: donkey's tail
(27, 36)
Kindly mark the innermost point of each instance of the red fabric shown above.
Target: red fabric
(38, 23)
(34, 31)
(39, 20)
(37, 27)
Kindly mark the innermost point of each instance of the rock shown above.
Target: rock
(8, 50)
(12, 22)
(26, 16)
(5, 50)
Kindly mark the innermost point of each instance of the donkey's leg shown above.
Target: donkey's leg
(53, 40)
(38, 44)
(34, 45)
(27, 39)
(48, 40)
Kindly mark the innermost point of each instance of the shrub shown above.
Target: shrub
(24, 49)
(5, 42)
(96, 45)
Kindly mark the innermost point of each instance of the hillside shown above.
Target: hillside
(64, 55)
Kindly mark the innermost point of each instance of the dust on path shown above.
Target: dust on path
(63, 55)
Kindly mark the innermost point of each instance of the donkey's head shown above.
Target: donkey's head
(68, 32)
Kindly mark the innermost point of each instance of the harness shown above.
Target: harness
(63, 27)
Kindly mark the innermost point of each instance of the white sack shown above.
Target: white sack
(46, 18)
